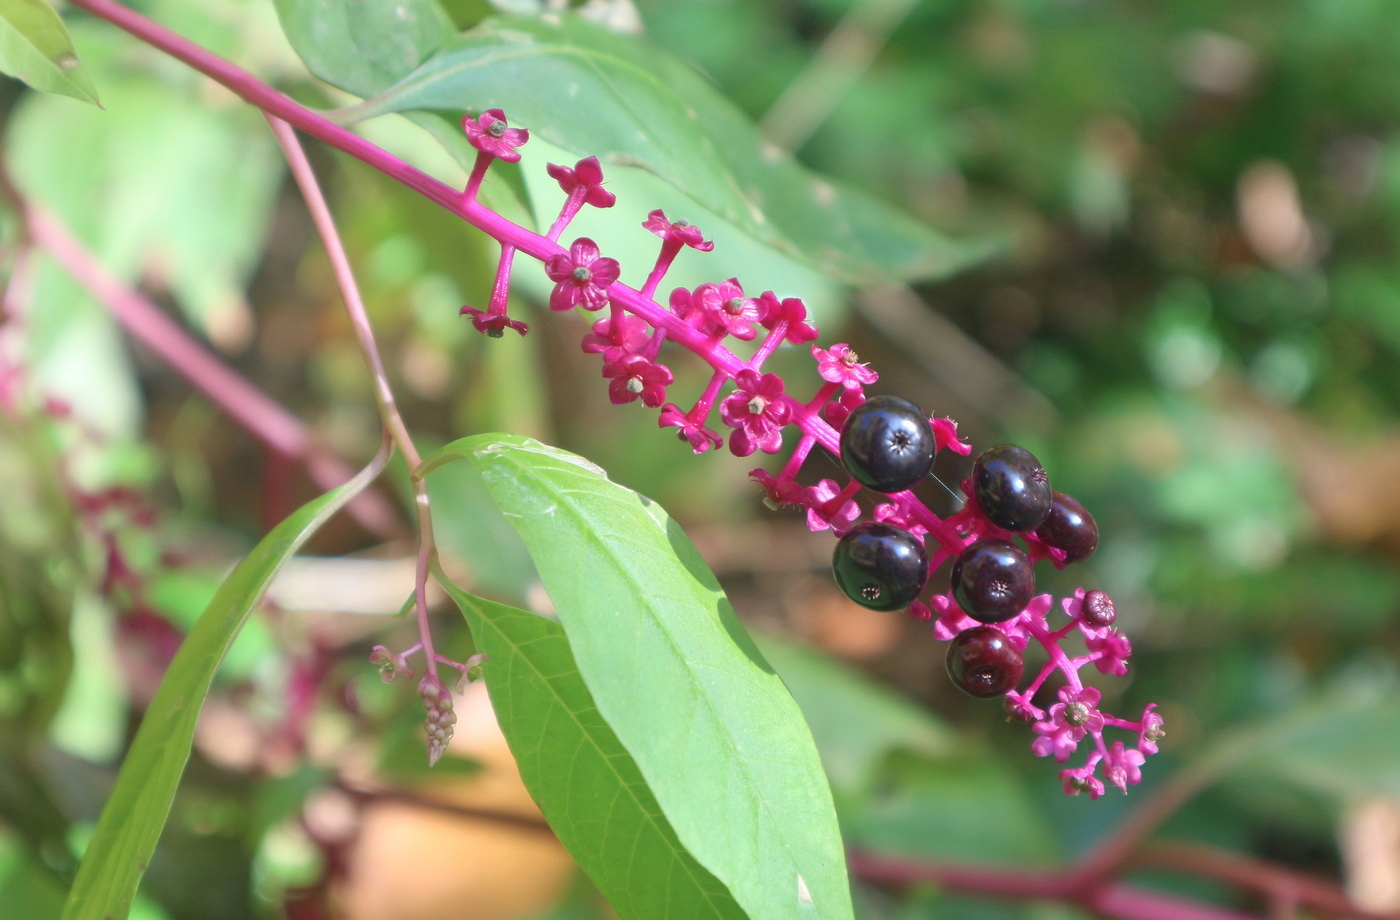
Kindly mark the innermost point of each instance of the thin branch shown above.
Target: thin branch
(384, 394)
(1111, 901)
(249, 407)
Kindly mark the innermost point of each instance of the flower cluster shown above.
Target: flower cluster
(886, 444)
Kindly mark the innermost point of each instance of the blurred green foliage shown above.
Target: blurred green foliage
(1204, 200)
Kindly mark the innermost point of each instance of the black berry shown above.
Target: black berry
(992, 580)
(880, 566)
(887, 444)
(1011, 488)
(983, 662)
(1070, 528)
(1097, 609)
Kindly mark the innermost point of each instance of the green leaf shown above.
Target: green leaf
(714, 732)
(134, 815)
(585, 782)
(363, 47)
(35, 47)
(594, 92)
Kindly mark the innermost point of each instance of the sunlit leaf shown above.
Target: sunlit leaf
(594, 92)
(715, 734)
(585, 782)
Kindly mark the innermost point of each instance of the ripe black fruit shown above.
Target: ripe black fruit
(984, 663)
(880, 566)
(1011, 488)
(1070, 528)
(887, 444)
(992, 580)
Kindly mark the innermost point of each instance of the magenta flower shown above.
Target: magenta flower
(630, 335)
(945, 436)
(494, 324)
(725, 307)
(1020, 708)
(1113, 649)
(1121, 766)
(791, 311)
(1153, 730)
(1081, 780)
(898, 515)
(919, 611)
(632, 376)
(701, 438)
(490, 134)
(839, 365)
(779, 491)
(679, 231)
(823, 510)
(757, 409)
(583, 277)
(586, 178)
(1069, 720)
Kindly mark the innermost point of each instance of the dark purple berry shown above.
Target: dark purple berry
(1011, 488)
(992, 580)
(880, 566)
(887, 444)
(1097, 609)
(1070, 528)
(984, 663)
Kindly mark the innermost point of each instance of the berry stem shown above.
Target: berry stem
(571, 208)
(669, 250)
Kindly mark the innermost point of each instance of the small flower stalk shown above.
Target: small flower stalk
(888, 549)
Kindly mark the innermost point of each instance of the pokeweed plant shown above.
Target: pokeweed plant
(625, 682)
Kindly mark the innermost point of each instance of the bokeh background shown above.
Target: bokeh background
(1190, 312)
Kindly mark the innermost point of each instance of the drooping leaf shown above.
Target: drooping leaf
(585, 782)
(594, 92)
(135, 813)
(363, 47)
(35, 47)
(715, 734)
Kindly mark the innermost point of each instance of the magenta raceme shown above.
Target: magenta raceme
(990, 613)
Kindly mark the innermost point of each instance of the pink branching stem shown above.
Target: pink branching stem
(384, 393)
(249, 407)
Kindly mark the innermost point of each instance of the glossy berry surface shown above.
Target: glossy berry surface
(1098, 609)
(1011, 488)
(880, 566)
(887, 444)
(1070, 528)
(992, 580)
(983, 662)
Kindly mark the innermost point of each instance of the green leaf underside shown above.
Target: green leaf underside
(717, 737)
(363, 47)
(585, 782)
(594, 92)
(136, 811)
(35, 47)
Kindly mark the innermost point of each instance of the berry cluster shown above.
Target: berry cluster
(886, 444)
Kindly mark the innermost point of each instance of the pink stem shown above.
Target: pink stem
(250, 408)
(566, 214)
(669, 250)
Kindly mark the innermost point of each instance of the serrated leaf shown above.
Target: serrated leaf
(594, 92)
(135, 813)
(35, 47)
(581, 776)
(715, 734)
(363, 47)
